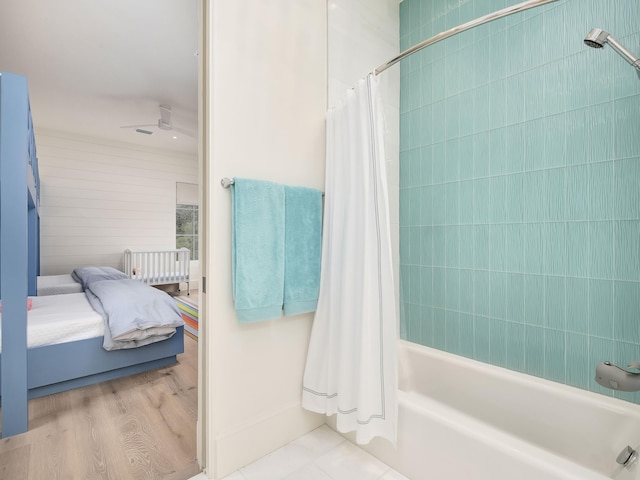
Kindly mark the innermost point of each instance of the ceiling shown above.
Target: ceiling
(95, 65)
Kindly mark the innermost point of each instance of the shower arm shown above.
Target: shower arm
(623, 52)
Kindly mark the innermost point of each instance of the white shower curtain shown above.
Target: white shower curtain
(351, 364)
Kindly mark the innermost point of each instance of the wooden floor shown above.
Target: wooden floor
(138, 427)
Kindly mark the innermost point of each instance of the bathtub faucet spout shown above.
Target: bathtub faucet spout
(612, 376)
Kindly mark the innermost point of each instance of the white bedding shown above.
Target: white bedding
(57, 285)
(57, 319)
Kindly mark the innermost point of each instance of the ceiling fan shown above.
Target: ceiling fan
(164, 123)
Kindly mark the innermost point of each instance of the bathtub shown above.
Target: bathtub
(462, 419)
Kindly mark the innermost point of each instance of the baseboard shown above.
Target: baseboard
(260, 436)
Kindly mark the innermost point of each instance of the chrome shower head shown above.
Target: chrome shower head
(597, 37)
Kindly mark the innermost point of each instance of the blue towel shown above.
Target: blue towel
(303, 246)
(258, 249)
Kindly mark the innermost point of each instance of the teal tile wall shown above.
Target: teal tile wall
(520, 187)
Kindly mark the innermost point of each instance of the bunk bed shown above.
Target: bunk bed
(30, 372)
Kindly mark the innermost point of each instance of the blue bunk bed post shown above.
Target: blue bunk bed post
(14, 241)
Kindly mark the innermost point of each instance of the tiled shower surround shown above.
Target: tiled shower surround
(520, 187)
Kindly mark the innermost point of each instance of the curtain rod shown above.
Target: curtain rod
(461, 28)
(227, 182)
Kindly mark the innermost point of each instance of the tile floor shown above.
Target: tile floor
(319, 455)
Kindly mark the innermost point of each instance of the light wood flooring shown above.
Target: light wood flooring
(139, 427)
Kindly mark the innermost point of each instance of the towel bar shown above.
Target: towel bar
(227, 182)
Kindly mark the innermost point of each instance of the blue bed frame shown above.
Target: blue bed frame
(30, 373)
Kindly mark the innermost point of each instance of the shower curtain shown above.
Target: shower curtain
(351, 363)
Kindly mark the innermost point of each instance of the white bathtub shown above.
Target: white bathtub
(462, 419)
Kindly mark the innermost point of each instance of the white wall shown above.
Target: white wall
(98, 198)
(362, 36)
(266, 96)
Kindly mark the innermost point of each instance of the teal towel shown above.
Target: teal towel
(303, 246)
(258, 224)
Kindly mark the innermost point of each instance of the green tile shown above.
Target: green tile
(482, 293)
(439, 293)
(466, 205)
(555, 193)
(515, 136)
(554, 355)
(578, 136)
(481, 154)
(578, 248)
(498, 342)
(452, 334)
(498, 59)
(452, 203)
(466, 291)
(515, 346)
(481, 200)
(482, 338)
(426, 286)
(554, 140)
(627, 250)
(438, 207)
(515, 241)
(602, 127)
(415, 294)
(601, 308)
(426, 168)
(498, 148)
(555, 302)
(515, 297)
(498, 109)
(555, 248)
(627, 193)
(497, 254)
(465, 166)
(514, 98)
(627, 123)
(452, 113)
(439, 329)
(452, 289)
(534, 299)
(578, 367)
(577, 305)
(481, 62)
(577, 187)
(601, 191)
(497, 197)
(439, 163)
(626, 308)
(439, 246)
(535, 194)
(452, 246)
(467, 113)
(515, 198)
(482, 105)
(426, 246)
(481, 247)
(426, 206)
(580, 79)
(439, 126)
(425, 135)
(466, 335)
(601, 246)
(498, 302)
(414, 237)
(533, 91)
(426, 329)
(466, 246)
(534, 350)
(554, 74)
(534, 247)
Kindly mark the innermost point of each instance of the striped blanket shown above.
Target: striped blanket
(189, 311)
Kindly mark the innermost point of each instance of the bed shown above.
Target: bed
(159, 267)
(29, 371)
(56, 285)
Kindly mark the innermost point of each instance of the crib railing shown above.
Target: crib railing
(158, 267)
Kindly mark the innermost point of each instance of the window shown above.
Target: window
(187, 217)
(187, 228)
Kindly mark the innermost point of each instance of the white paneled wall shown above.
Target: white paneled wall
(98, 198)
(362, 36)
